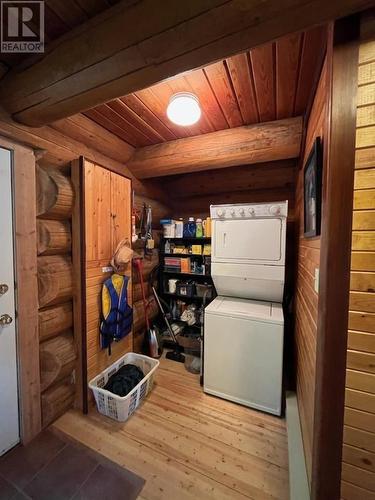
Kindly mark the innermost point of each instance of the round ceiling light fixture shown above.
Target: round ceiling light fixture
(183, 109)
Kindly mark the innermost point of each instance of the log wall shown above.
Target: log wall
(358, 465)
(306, 298)
(55, 292)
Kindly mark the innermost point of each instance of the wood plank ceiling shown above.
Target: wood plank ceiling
(270, 82)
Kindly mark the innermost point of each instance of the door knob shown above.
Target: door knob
(5, 319)
(3, 288)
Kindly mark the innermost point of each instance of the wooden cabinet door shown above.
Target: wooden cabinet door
(107, 220)
(97, 212)
(120, 209)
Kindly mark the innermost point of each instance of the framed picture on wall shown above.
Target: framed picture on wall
(313, 190)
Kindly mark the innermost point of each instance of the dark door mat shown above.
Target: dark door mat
(52, 467)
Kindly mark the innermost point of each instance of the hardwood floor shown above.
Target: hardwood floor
(187, 444)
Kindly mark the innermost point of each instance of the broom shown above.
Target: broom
(152, 341)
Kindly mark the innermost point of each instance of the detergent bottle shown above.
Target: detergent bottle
(207, 227)
(179, 231)
(189, 228)
(199, 228)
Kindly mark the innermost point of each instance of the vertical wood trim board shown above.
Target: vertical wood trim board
(335, 262)
(26, 289)
(358, 463)
(77, 259)
(107, 206)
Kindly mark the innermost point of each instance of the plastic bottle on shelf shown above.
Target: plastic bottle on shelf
(199, 229)
(179, 228)
(207, 227)
(189, 228)
(168, 228)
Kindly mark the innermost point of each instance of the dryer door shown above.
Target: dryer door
(257, 241)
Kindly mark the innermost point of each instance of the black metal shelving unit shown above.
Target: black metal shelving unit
(188, 274)
(166, 274)
(192, 238)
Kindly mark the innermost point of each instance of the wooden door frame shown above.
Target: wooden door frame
(333, 305)
(79, 292)
(26, 288)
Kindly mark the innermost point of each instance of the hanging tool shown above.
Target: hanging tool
(150, 244)
(142, 219)
(134, 219)
(145, 229)
(151, 335)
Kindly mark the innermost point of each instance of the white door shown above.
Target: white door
(250, 240)
(9, 421)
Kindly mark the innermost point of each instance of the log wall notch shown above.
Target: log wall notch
(54, 237)
(54, 194)
(55, 198)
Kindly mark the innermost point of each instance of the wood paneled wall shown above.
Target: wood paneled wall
(192, 194)
(107, 202)
(306, 299)
(358, 467)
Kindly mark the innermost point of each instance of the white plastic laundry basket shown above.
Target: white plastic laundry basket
(120, 408)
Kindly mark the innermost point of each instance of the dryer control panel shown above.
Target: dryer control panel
(249, 211)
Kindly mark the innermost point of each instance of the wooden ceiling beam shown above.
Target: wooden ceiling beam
(275, 174)
(263, 142)
(133, 45)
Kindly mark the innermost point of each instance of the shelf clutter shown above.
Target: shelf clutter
(185, 276)
(190, 229)
(187, 246)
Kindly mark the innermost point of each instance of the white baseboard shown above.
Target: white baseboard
(298, 482)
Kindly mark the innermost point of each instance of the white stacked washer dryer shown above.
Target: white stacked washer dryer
(244, 325)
